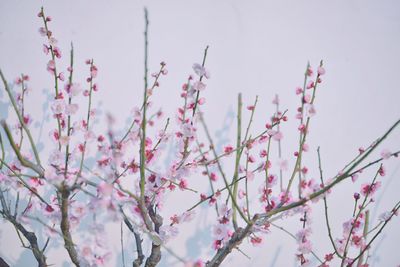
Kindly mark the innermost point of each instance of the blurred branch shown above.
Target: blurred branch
(140, 256)
(394, 211)
(326, 205)
(30, 236)
(338, 178)
(24, 161)
(234, 242)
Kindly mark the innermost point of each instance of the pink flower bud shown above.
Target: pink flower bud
(61, 76)
(275, 101)
(18, 81)
(201, 101)
(310, 84)
(57, 52)
(321, 71)
(49, 208)
(42, 31)
(307, 99)
(310, 72)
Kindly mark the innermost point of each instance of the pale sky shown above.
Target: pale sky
(257, 48)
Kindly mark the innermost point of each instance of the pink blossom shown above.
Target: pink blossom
(93, 71)
(272, 179)
(217, 244)
(302, 128)
(105, 189)
(224, 210)
(305, 247)
(310, 84)
(256, 240)
(213, 177)
(278, 136)
(64, 140)
(200, 70)
(89, 136)
(49, 208)
(187, 216)
(61, 76)
(228, 149)
(383, 217)
(250, 175)
(357, 241)
(42, 31)
(56, 157)
(52, 41)
(299, 90)
(310, 71)
(168, 232)
(58, 106)
(71, 109)
(311, 111)
(201, 101)
(251, 159)
(382, 171)
(304, 170)
(34, 182)
(27, 119)
(321, 71)
(275, 101)
(18, 81)
(57, 52)
(221, 232)
(198, 263)
(307, 98)
(386, 154)
(305, 147)
(51, 66)
(199, 86)
(271, 132)
(3, 177)
(370, 189)
(54, 135)
(283, 165)
(241, 194)
(183, 184)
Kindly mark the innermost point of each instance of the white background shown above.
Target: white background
(257, 48)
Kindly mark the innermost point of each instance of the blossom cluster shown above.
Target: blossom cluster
(91, 177)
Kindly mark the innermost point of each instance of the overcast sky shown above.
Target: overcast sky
(257, 48)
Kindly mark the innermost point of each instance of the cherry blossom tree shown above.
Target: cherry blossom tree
(92, 177)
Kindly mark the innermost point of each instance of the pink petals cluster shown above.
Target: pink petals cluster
(128, 174)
